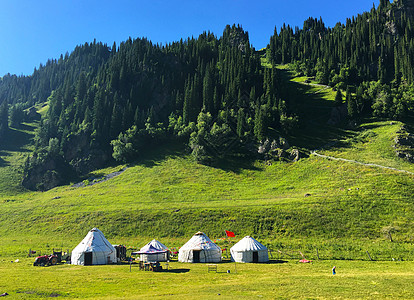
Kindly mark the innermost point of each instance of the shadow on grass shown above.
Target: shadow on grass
(277, 261)
(234, 162)
(27, 127)
(313, 107)
(3, 163)
(176, 271)
(17, 140)
(372, 126)
(150, 157)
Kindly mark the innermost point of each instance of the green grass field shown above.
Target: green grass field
(336, 210)
(287, 280)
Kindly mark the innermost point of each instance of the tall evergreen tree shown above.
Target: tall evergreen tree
(338, 98)
(351, 105)
(4, 118)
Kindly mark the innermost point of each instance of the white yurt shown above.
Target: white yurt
(154, 251)
(249, 250)
(199, 249)
(94, 250)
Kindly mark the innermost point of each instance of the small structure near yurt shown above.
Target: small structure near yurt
(199, 249)
(94, 250)
(154, 251)
(249, 250)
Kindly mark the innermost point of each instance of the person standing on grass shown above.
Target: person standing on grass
(334, 270)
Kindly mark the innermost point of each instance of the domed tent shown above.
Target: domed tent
(199, 249)
(94, 250)
(154, 251)
(249, 250)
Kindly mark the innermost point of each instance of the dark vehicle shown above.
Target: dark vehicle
(52, 259)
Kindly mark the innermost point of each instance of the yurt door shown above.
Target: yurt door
(196, 256)
(255, 256)
(88, 258)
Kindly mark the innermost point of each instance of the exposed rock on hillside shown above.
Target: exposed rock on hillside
(279, 149)
(404, 145)
(53, 171)
(83, 158)
(44, 171)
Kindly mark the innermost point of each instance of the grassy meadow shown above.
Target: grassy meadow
(285, 279)
(333, 212)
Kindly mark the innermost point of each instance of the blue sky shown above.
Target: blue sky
(33, 31)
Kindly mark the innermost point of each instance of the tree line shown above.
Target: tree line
(371, 55)
(210, 93)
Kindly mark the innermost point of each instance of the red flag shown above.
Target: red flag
(230, 234)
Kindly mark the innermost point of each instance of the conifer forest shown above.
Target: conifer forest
(212, 94)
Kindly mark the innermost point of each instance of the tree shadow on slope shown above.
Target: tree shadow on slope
(314, 105)
(17, 140)
(233, 162)
(152, 156)
(27, 127)
(3, 163)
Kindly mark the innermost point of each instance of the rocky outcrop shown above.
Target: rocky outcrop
(294, 155)
(404, 145)
(46, 173)
(279, 149)
(79, 154)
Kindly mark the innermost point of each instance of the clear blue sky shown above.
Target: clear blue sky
(33, 31)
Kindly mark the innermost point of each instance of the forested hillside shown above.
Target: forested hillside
(371, 56)
(212, 94)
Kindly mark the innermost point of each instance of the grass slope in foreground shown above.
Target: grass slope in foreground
(289, 280)
(340, 208)
(346, 212)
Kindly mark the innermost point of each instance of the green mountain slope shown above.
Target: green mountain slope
(216, 136)
(13, 154)
(218, 95)
(341, 207)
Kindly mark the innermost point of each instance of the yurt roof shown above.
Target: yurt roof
(248, 244)
(200, 241)
(94, 241)
(156, 244)
(150, 249)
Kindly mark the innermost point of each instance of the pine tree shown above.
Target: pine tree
(187, 101)
(259, 124)
(351, 105)
(381, 70)
(208, 91)
(4, 118)
(16, 116)
(338, 98)
(116, 117)
(240, 122)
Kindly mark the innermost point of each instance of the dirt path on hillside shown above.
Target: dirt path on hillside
(360, 163)
(95, 180)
